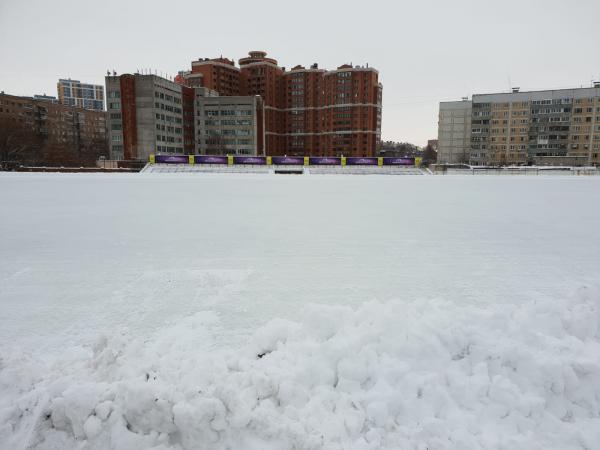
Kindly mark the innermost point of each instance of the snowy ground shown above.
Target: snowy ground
(388, 312)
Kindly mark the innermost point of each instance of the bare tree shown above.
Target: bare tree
(429, 155)
(399, 149)
(215, 145)
(74, 151)
(19, 144)
(463, 159)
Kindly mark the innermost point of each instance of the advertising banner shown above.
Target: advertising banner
(172, 159)
(255, 160)
(210, 159)
(354, 161)
(391, 161)
(289, 160)
(324, 161)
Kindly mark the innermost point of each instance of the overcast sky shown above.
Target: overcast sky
(425, 51)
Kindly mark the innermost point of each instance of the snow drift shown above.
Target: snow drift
(423, 374)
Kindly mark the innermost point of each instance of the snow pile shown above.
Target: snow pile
(423, 374)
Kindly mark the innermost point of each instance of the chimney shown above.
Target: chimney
(515, 90)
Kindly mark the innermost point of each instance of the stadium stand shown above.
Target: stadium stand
(282, 169)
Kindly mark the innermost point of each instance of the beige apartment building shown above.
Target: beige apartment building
(553, 127)
(557, 127)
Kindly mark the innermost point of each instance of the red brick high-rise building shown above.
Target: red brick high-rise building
(307, 111)
(220, 74)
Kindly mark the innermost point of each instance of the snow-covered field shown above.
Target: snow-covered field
(273, 312)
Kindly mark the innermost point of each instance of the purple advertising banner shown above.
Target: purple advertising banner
(324, 161)
(391, 161)
(209, 159)
(354, 161)
(289, 160)
(172, 159)
(256, 160)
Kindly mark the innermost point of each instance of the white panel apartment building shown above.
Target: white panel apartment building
(454, 132)
(229, 125)
(148, 114)
(144, 116)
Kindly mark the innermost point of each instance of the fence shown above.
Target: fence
(527, 171)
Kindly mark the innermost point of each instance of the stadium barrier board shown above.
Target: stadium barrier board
(286, 160)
